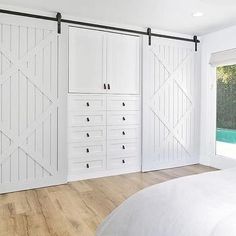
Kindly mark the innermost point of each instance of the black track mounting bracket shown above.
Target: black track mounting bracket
(58, 17)
(196, 41)
(149, 33)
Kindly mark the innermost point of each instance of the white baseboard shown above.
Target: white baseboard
(99, 174)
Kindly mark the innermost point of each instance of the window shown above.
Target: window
(226, 111)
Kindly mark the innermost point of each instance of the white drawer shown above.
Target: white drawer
(123, 118)
(123, 103)
(86, 103)
(123, 132)
(87, 150)
(87, 166)
(87, 134)
(126, 162)
(87, 119)
(122, 148)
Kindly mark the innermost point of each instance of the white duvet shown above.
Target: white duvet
(199, 205)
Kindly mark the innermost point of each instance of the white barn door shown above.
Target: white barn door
(31, 105)
(170, 113)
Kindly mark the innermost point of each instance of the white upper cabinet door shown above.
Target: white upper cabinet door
(86, 61)
(123, 64)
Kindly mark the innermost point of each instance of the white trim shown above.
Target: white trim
(208, 123)
(100, 174)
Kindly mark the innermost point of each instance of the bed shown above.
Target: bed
(199, 205)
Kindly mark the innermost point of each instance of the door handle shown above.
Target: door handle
(105, 87)
(123, 146)
(123, 118)
(88, 135)
(123, 161)
(88, 119)
(109, 87)
(87, 150)
(123, 132)
(123, 104)
(87, 104)
(87, 165)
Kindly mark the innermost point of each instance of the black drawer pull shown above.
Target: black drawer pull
(88, 135)
(88, 119)
(123, 104)
(109, 87)
(105, 87)
(87, 165)
(123, 146)
(123, 118)
(87, 150)
(123, 132)
(123, 161)
(87, 104)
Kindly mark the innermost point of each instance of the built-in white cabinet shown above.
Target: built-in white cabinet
(103, 62)
(104, 117)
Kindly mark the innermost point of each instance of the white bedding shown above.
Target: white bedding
(199, 205)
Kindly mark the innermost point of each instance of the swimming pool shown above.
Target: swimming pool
(226, 135)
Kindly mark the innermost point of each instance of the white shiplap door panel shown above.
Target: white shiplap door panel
(169, 105)
(31, 107)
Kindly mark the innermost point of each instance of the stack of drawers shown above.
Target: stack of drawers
(123, 131)
(104, 133)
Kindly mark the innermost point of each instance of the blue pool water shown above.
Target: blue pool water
(226, 135)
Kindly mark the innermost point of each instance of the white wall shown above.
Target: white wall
(214, 42)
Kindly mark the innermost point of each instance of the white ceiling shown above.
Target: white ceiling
(171, 15)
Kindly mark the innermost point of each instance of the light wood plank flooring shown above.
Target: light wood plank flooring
(76, 208)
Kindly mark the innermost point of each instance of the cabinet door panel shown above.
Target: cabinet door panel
(86, 102)
(123, 132)
(87, 119)
(123, 118)
(85, 167)
(86, 61)
(123, 64)
(123, 162)
(123, 103)
(86, 151)
(87, 134)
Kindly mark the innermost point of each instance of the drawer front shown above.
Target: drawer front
(123, 132)
(89, 166)
(86, 103)
(89, 119)
(87, 150)
(87, 134)
(122, 148)
(123, 118)
(123, 103)
(126, 162)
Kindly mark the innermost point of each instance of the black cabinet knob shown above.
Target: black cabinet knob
(123, 161)
(87, 165)
(123, 132)
(104, 86)
(109, 87)
(88, 119)
(123, 146)
(123, 104)
(123, 118)
(87, 104)
(88, 135)
(87, 150)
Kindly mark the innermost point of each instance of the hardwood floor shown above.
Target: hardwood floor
(76, 208)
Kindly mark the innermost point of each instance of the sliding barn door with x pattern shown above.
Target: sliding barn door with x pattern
(29, 106)
(169, 105)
